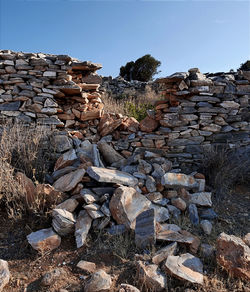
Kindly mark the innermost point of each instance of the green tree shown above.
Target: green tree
(143, 69)
(245, 66)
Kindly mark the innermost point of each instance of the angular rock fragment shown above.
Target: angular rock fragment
(87, 266)
(82, 227)
(206, 226)
(161, 213)
(44, 240)
(63, 221)
(109, 153)
(164, 252)
(185, 267)
(128, 288)
(68, 205)
(67, 159)
(126, 204)
(69, 181)
(176, 180)
(193, 214)
(4, 274)
(100, 281)
(201, 199)
(233, 255)
(111, 176)
(145, 229)
(151, 277)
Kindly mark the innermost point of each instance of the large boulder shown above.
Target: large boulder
(126, 204)
(233, 255)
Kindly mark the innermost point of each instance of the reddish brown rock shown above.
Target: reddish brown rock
(130, 124)
(87, 266)
(233, 255)
(179, 203)
(108, 124)
(67, 159)
(28, 187)
(44, 240)
(148, 125)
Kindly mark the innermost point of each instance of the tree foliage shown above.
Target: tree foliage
(245, 66)
(143, 69)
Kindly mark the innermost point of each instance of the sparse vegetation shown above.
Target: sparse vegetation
(21, 150)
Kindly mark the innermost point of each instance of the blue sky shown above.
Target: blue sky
(211, 35)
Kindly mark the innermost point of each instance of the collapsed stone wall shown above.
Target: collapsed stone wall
(197, 110)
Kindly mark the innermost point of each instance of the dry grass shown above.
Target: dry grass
(22, 149)
(225, 168)
(130, 103)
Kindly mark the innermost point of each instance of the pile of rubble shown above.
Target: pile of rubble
(143, 194)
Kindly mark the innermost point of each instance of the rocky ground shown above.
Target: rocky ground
(148, 225)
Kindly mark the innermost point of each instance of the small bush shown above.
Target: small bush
(225, 168)
(137, 111)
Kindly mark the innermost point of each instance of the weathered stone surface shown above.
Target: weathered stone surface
(151, 184)
(176, 180)
(206, 226)
(68, 205)
(82, 227)
(185, 267)
(49, 278)
(164, 252)
(193, 214)
(109, 153)
(201, 199)
(99, 281)
(44, 240)
(126, 204)
(151, 277)
(69, 181)
(148, 125)
(246, 239)
(108, 124)
(61, 143)
(111, 176)
(4, 274)
(63, 221)
(161, 213)
(145, 229)
(87, 266)
(233, 255)
(179, 203)
(12, 106)
(207, 250)
(67, 159)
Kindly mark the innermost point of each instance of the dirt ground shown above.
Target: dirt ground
(116, 255)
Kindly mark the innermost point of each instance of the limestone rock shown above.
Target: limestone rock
(201, 199)
(126, 204)
(233, 255)
(185, 267)
(87, 266)
(63, 221)
(82, 227)
(176, 180)
(44, 240)
(151, 277)
(164, 252)
(69, 181)
(4, 274)
(145, 229)
(111, 176)
(99, 281)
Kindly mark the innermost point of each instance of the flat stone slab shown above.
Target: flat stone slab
(185, 267)
(201, 199)
(111, 176)
(68, 181)
(164, 252)
(176, 180)
(145, 229)
(82, 227)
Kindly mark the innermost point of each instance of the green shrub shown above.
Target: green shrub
(137, 111)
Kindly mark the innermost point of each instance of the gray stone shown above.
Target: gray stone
(109, 153)
(68, 181)
(111, 176)
(193, 214)
(10, 106)
(82, 227)
(201, 199)
(164, 252)
(176, 180)
(62, 143)
(208, 214)
(185, 267)
(161, 213)
(150, 184)
(206, 226)
(145, 229)
(99, 281)
(63, 221)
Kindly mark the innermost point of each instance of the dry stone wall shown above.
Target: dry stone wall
(196, 111)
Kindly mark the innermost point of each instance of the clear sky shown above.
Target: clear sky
(211, 35)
